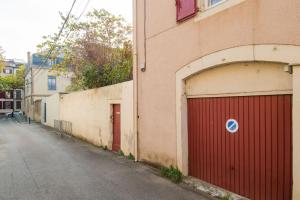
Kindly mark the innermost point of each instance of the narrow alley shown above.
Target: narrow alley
(36, 163)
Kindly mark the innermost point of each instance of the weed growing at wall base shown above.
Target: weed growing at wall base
(121, 153)
(227, 197)
(172, 173)
(131, 157)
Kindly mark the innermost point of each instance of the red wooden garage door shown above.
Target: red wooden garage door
(256, 161)
(116, 146)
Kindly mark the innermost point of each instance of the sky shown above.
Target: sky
(23, 23)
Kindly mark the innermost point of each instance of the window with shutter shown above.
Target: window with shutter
(186, 9)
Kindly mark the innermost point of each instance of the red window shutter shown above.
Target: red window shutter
(185, 9)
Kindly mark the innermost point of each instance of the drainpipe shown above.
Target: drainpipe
(138, 65)
(144, 65)
(31, 85)
(135, 80)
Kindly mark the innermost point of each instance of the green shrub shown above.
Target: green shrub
(105, 148)
(172, 173)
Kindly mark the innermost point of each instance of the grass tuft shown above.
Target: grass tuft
(227, 197)
(121, 153)
(131, 157)
(172, 173)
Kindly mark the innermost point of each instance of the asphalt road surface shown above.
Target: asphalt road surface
(38, 164)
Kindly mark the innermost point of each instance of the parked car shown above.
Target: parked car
(14, 113)
(8, 114)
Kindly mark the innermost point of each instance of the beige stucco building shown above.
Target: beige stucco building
(209, 50)
(46, 82)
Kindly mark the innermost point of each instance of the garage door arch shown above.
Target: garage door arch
(240, 79)
(284, 54)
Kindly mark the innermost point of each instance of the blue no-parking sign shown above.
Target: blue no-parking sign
(232, 126)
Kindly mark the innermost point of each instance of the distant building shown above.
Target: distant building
(11, 66)
(38, 60)
(11, 100)
(40, 82)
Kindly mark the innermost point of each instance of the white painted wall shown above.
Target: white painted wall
(52, 109)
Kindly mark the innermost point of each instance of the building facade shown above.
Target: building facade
(217, 92)
(40, 82)
(11, 100)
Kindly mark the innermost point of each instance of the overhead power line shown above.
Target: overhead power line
(57, 38)
(61, 30)
(84, 9)
(78, 18)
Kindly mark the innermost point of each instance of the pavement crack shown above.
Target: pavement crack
(29, 170)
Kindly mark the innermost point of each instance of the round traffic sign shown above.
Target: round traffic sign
(232, 126)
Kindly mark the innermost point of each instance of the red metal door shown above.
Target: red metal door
(256, 161)
(116, 127)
